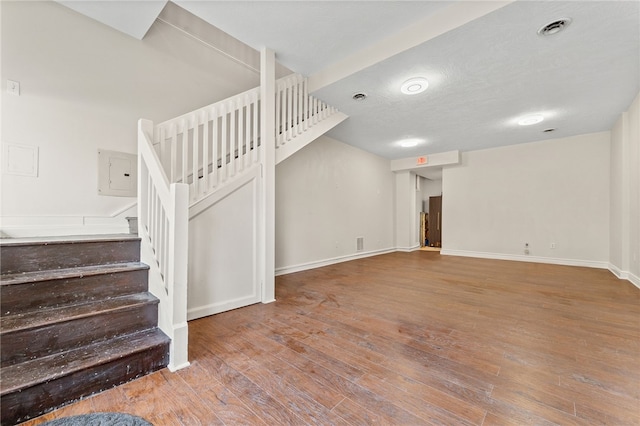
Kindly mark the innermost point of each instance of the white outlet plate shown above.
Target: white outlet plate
(13, 87)
(553, 245)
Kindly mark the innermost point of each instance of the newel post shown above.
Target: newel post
(268, 147)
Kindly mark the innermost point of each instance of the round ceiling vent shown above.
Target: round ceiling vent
(359, 96)
(554, 27)
(549, 130)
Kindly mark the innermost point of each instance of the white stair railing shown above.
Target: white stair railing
(296, 110)
(207, 147)
(163, 222)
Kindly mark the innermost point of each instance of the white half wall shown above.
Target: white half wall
(541, 193)
(327, 195)
(83, 87)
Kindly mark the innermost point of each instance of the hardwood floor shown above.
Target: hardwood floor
(408, 339)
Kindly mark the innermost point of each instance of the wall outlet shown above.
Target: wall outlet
(526, 248)
(13, 87)
(552, 245)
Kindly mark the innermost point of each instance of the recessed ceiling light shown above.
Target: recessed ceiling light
(530, 119)
(554, 27)
(415, 85)
(409, 143)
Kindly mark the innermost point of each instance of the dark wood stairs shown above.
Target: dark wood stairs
(76, 319)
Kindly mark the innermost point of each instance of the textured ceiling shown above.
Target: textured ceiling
(486, 74)
(483, 74)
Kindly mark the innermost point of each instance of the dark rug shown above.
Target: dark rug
(99, 419)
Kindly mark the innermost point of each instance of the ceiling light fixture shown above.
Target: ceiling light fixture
(410, 143)
(530, 119)
(415, 85)
(554, 27)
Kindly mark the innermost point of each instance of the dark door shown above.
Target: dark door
(435, 221)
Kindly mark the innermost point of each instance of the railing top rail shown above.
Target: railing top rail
(287, 80)
(254, 91)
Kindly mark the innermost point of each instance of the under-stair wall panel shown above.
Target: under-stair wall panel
(223, 259)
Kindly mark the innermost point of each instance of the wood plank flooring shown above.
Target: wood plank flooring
(408, 339)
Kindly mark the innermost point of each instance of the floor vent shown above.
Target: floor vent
(359, 243)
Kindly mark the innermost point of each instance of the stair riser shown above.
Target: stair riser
(38, 257)
(53, 293)
(37, 400)
(29, 344)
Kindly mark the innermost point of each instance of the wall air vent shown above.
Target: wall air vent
(554, 27)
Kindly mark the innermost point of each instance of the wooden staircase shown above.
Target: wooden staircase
(76, 319)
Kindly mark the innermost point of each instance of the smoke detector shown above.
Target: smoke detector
(554, 27)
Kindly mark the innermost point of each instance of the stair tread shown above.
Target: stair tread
(66, 239)
(65, 273)
(39, 317)
(26, 374)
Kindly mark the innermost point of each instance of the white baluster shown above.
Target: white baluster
(185, 151)
(247, 133)
(224, 141)
(174, 153)
(305, 108)
(294, 108)
(289, 111)
(232, 138)
(205, 152)
(214, 148)
(195, 159)
(240, 158)
(278, 114)
(255, 106)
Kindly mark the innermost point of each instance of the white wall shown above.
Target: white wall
(84, 86)
(634, 204)
(556, 191)
(327, 195)
(624, 254)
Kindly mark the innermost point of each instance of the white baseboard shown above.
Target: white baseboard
(178, 350)
(624, 275)
(635, 280)
(523, 258)
(408, 249)
(216, 308)
(283, 270)
(617, 272)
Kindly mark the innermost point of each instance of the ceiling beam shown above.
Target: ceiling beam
(437, 23)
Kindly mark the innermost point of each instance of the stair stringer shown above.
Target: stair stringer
(289, 148)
